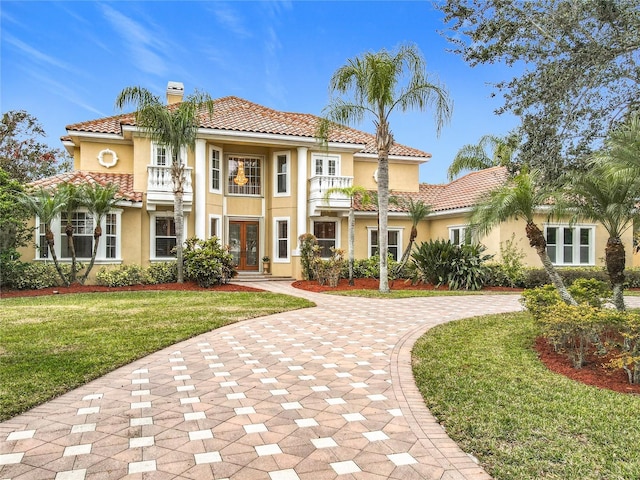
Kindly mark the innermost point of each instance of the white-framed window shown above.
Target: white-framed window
(245, 175)
(570, 244)
(162, 156)
(394, 242)
(109, 244)
(282, 174)
(215, 227)
(281, 251)
(327, 234)
(215, 169)
(460, 235)
(325, 164)
(163, 235)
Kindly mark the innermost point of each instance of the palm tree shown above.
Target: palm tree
(377, 85)
(99, 201)
(518, 199)
(175, 127)
(490, 151)
(72, 195)
(418, 211)
(351, 192)
(46, 207)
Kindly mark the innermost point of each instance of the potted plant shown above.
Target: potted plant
(266, 264)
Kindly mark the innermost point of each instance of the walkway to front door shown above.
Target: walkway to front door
(244, 239)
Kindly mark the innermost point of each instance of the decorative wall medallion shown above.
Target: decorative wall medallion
(107, 152)
(375, 175)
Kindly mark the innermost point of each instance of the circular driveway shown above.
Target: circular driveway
(319, 393)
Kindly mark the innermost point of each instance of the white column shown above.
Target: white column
(200, 193)
(302, 195)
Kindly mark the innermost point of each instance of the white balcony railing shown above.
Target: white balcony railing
(160, 186)
(318, 187)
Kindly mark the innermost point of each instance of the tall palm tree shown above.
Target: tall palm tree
(376, 85)
(175, 127)
(490, 151)
(46, 207)
(351, 192)
(99, 201)
(418, 211)
(518, 199)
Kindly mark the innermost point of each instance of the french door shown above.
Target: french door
(244, 239)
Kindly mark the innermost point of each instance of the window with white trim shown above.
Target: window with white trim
(570, 245)
(460, 235)
(245, 175)
(326, 234)
(282, 174)
(325, 164)
(394, 242)
(215, 222)
(163, 236)
(83, 240)
(281, 247)
(216, 169)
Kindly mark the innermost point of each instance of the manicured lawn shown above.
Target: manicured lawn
(404, 293)
(485, 384)
(51, 344)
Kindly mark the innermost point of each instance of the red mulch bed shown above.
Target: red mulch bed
(186, 286)
(593, 373)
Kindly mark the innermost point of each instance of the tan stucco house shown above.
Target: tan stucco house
(285, 174)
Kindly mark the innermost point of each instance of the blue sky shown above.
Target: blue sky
(66, 61)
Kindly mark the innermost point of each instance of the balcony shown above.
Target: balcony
(319, 185)
(160, 187)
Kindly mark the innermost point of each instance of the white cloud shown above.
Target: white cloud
(36, 55)
(143, 43)
(229, 19)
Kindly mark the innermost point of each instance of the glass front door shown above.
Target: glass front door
(243, 243)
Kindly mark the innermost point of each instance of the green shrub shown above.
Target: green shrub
(468, 270)
(629, 357)
(590, 291)
(632, 277)
(207, 262)
(37, 275)
(121, 276)
(161, 272)
(10, 267)
(328, 270)
(539, 300)
(511, 264)
(307, 255)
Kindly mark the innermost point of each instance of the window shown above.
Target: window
(216, 172)
(326, 165)
(83, 241)
(282, 174)
(164, 240)
(281, 240)
(460, 235)
(214, 227)
(162, 156)
(394, 242)
(244, 175)
(325, 232)
(570, 245)
(82, 223)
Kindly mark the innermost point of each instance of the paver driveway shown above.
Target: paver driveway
(320, 393)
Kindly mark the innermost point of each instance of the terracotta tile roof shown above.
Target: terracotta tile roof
(124, 181)
(239, 115)
(463, 192)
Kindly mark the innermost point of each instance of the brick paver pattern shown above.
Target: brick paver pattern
(319, 393)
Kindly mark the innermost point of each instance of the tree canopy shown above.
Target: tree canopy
(22, 154)
(577, 65)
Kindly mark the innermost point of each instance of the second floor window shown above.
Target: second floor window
(282, 174)
(245, 175)
(326, 165)
(215, 169)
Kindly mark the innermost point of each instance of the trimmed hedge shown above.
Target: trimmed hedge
(537, 277)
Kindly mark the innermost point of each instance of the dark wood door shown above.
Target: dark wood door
(244, 239)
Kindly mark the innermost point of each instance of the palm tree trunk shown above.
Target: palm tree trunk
(97, 233)
(407, 251)
(537, 241)
(383, 210)
(615, 261)
(50, 243)
(72, 249)
(178, 217)
(352, 242)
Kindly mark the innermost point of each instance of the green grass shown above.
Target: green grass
(51, 344)
(485, 384)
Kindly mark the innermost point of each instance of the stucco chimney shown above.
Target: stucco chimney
(175, 92)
